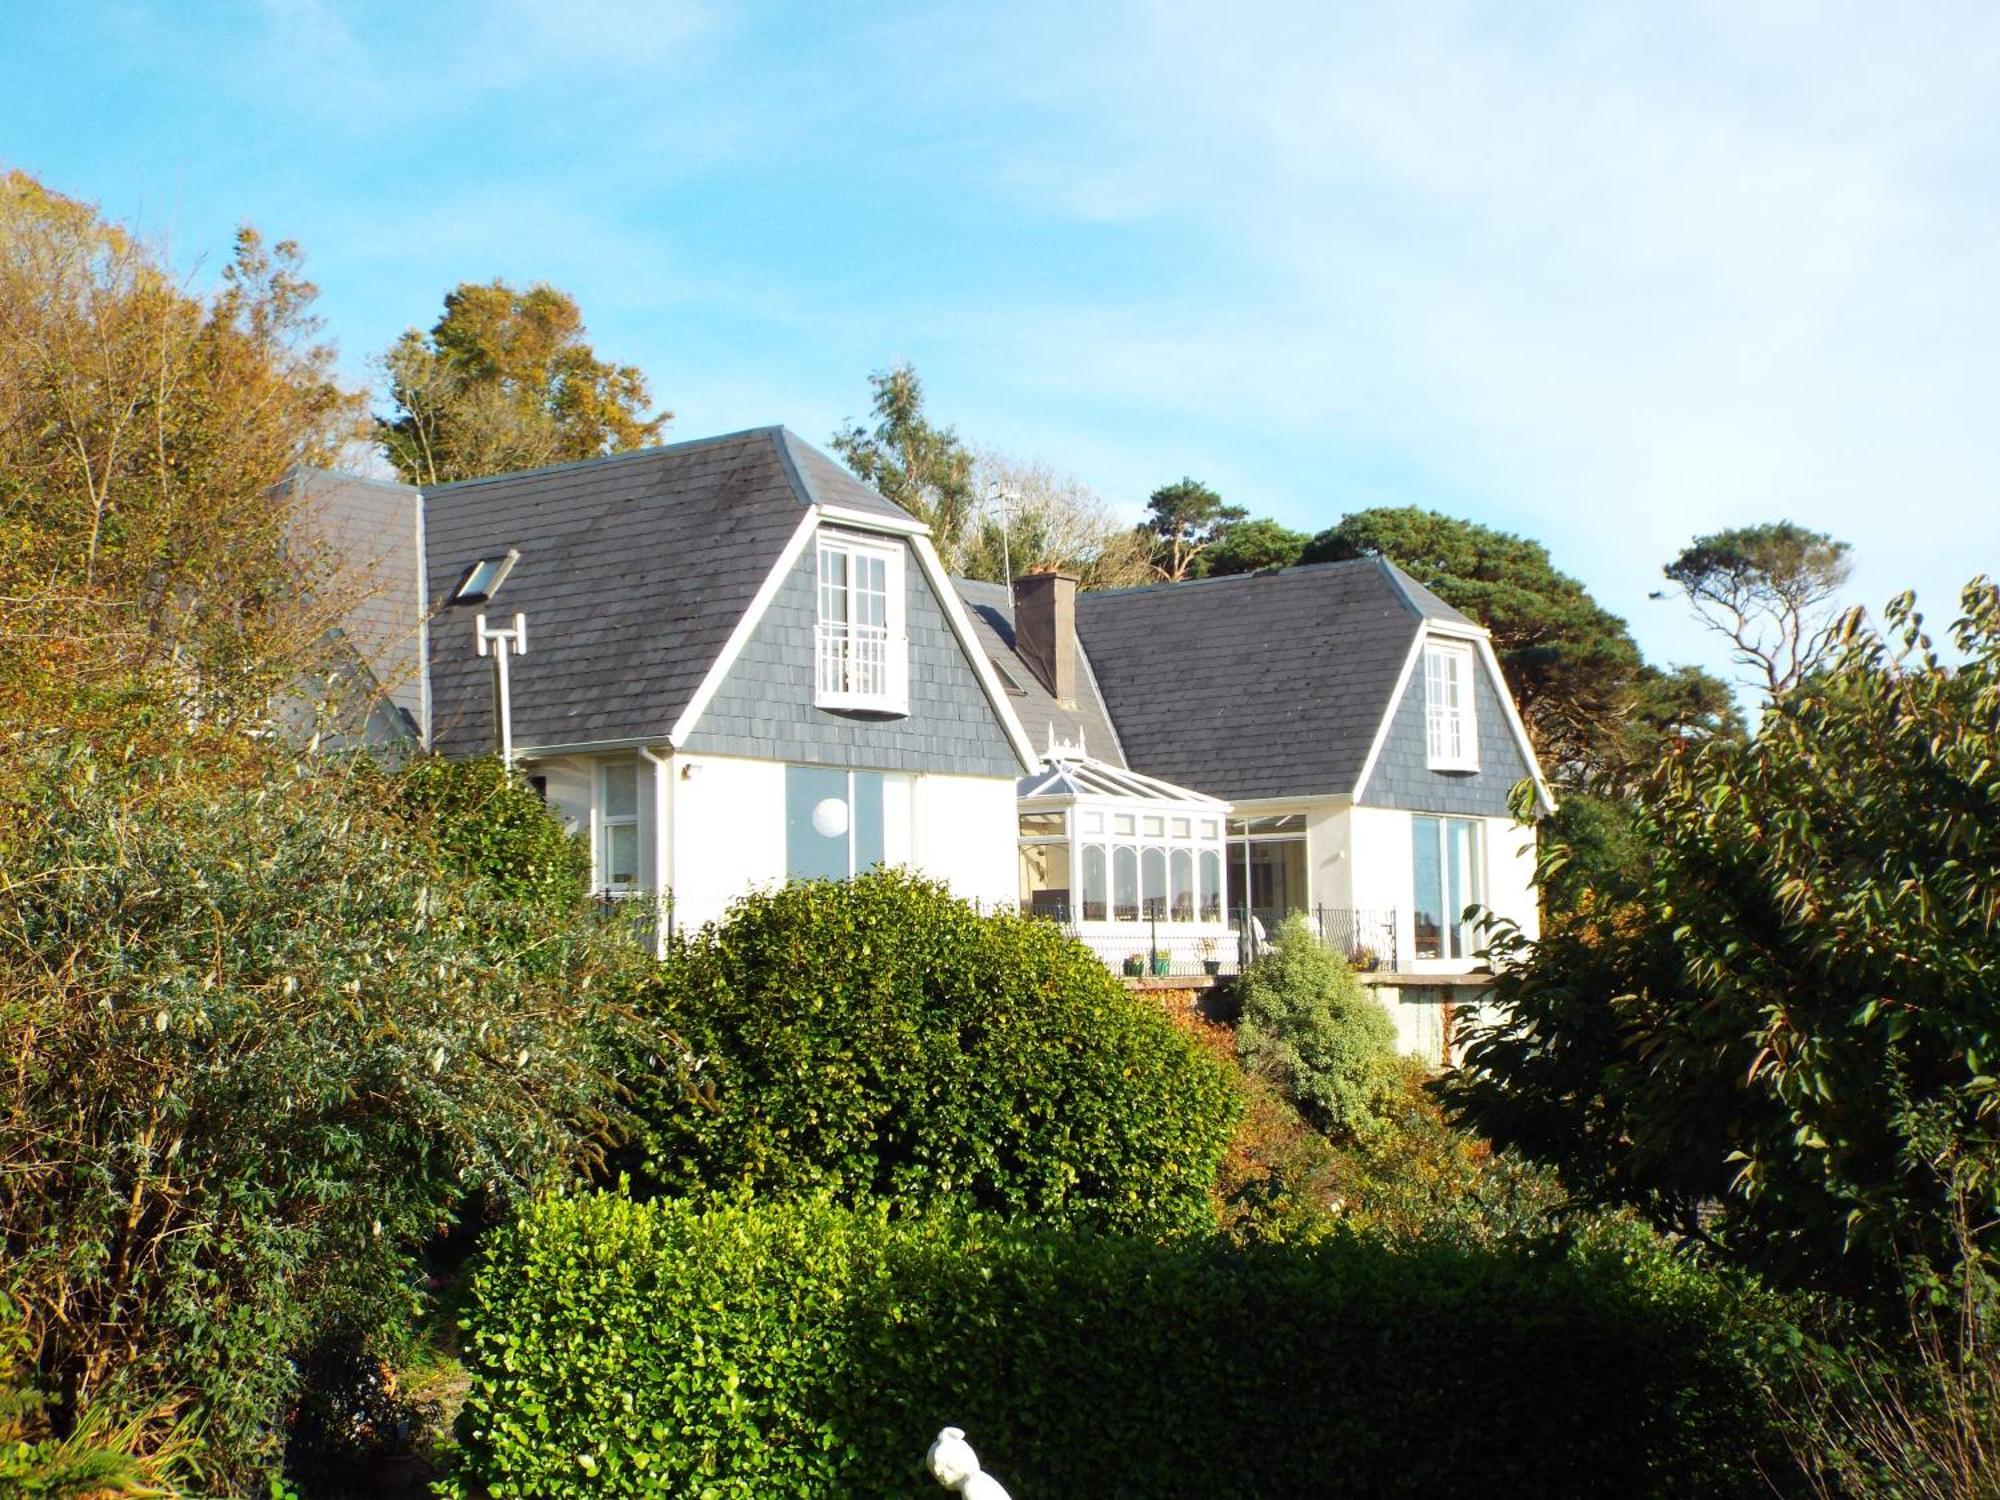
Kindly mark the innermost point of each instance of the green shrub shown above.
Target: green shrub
(491, 824)
(260, 1048)
(1310, 1027)
(878, 1037)
(805, 1349)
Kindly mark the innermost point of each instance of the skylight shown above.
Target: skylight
(482, 580)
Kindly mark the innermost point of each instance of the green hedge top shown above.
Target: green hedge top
(806, 1349)
(878, 1037)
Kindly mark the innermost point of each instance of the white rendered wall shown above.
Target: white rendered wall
(1330, 856)
(1379, 844)
(1510, 874)
(726, 831)
(964, 832)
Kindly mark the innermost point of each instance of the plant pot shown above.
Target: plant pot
(1211, 967)
(1161, 965)
(1134, 967)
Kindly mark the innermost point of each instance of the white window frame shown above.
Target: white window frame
(842, 648)
(606, 822)
(1451, 728)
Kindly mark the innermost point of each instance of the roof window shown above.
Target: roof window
(482, 580)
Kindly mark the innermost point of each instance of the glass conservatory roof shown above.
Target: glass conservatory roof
(1072, 776)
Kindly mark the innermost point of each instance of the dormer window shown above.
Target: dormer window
(482, 580)
(1452, 736)
(860, 656)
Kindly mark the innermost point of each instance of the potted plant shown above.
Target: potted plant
(1135, 965)
(1363, 959)
(1210, 964)
(1162, 964)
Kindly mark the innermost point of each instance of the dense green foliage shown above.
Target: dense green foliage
(1786, 1043)
(877, 1036)
(805, 1349)
(1597, 713)
(1186, 519)
(260, 1048)
(1252, 545)
(506, 380)
(490, 824)
(1311, 1028)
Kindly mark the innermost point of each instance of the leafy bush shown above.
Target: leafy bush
(879, 1037)
(811, 1350)
(1784, 1044)
(491, 824)
(259, 1051)
(1310, 1027)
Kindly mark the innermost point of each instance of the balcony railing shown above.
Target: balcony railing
(854, 662)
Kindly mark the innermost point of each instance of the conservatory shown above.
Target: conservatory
(1131, 864)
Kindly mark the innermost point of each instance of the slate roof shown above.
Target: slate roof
(991, 610)
(634, 569)
(1257, 685)
(370, 527)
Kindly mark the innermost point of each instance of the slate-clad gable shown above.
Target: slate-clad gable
(764, 707)
(1259, 685)
(633, 572)
(370, 528)
(1402, 777)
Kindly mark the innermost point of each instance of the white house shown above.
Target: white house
(743, 666)
(1356, 728)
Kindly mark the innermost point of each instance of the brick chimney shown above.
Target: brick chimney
(1045, 629)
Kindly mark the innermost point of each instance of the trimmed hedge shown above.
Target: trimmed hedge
(806, 1349)
(879, 1037)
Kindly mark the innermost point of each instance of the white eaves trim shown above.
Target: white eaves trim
(870, 521)
(1482, 642)
(746, 626)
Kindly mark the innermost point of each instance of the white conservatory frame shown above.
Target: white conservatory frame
(1129, 841)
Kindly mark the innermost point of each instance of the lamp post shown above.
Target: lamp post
(500, 643)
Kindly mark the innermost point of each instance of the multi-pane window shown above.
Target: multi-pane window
(1448, 725)
(858, 647)
(618, 826)
(833, 822)
(1445, 862)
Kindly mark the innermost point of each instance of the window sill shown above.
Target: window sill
(1457, 767)
(859, 703)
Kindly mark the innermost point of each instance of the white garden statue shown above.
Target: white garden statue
(954, 1465)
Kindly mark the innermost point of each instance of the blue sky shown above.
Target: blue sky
(1607, 275)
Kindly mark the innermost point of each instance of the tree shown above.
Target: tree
(1310, 1027)
(1593, 709)
(506, 380)
(1185, 519)
(922, 467)
(1780, 1041)
(1253, 545)
(1041, 520)
(263, 1040)
(1771, 590)
(142, 431)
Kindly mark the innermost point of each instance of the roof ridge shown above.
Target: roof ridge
(1195, 583)
(685, 446)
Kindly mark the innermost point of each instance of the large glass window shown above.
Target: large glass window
(1124, 884)
(833, 822)
(858, 658)
(1094, 883)
(618, 826)
(1045, 879)
(1180, 876)
(1211, 885)
(1445, 863)
(1153, 883)
(1448, 726)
